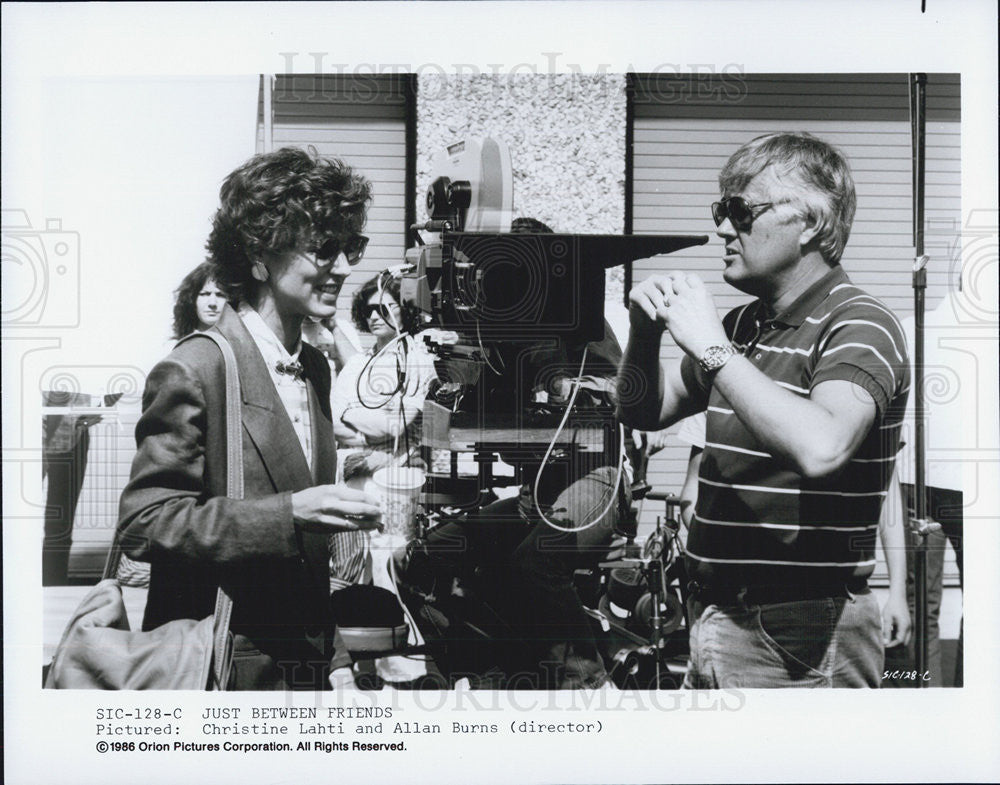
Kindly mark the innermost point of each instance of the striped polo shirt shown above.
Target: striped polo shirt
(759, 522)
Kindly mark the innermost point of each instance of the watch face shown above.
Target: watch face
(715, 357)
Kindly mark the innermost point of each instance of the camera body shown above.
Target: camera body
(500, 292)
(491, 288)
(474, 186)
(473, 189)
(41, 271)
(501, 286)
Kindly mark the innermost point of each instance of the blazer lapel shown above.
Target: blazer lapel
(264, 417)
(315, 546)
(324, 457)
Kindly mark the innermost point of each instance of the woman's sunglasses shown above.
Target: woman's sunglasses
(384, 312)
(353, 249)
(738, 211)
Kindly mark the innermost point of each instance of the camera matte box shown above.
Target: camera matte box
(516, 286)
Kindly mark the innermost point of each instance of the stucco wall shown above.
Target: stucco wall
(566, 135)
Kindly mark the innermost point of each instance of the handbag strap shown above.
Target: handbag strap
(222, 659)
(114, 557)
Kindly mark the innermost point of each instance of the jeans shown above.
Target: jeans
(829, 642)
(529, 566)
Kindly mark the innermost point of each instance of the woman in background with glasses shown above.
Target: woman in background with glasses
(376, 403)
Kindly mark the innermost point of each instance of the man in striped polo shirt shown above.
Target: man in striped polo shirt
(804, 389)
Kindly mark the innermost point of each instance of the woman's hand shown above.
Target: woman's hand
(329, 509)
(365, 463)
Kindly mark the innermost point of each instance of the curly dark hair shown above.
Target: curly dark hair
(279, 201)
(186, 298)
(390, 285)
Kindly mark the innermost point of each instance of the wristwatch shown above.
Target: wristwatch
(714, 357)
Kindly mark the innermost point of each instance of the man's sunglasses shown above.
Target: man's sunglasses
(384, 311)
(740, 214)
(353, 249)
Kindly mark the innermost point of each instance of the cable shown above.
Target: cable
(365, 371)
(403, 375)
(405, 429)
(486, 358)
(380, 286)
(548, 452)
(399, 338)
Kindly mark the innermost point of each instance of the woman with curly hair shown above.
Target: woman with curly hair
(283, 240)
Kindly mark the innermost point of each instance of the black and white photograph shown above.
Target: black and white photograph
(500, 391)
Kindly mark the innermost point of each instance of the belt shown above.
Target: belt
(772, 594)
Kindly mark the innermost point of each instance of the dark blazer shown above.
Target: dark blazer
(174, 512)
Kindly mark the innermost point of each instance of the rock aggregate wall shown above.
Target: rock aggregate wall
(566, 135)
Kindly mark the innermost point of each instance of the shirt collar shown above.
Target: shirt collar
(806, 303)
(264, 337)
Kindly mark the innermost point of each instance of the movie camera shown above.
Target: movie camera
(493, 288)
(513, 311)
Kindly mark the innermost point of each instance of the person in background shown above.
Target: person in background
(947, 406)
(376, 403)
(336, 338)
(282, 243)
(379, 393)
(198, 301)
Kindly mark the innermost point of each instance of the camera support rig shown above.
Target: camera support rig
(502, 293)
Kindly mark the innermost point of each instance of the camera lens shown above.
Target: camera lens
(460, 194)
(437, 198)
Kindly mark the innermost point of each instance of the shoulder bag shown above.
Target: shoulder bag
(98, 650)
